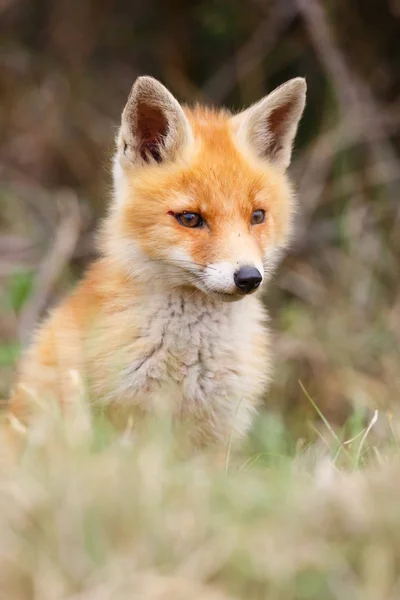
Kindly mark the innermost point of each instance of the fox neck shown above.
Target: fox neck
(150, 293)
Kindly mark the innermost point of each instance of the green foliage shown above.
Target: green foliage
(18, 290)
(9, 354)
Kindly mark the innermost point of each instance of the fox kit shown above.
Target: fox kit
(169, 318)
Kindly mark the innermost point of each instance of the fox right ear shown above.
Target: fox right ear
(154, 128)
(269, 127)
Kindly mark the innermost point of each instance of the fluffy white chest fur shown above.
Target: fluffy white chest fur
(203, 361)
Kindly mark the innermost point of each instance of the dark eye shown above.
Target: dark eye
(188, 219)
(258, 217)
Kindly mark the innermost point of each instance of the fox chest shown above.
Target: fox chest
(205, 367)
(180, 357)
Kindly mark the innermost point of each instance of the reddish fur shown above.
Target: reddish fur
(94, 321)
(226, 203)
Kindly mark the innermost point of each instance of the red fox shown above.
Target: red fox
(169, 318)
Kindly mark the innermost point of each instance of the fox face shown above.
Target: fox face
(201, 196)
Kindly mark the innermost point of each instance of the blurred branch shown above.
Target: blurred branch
(355, 98)
(314, 164)
(6, 4)
(252, 53)
(16, 252)
(52, 265)
(382, 173)
(37, 202)
(320, 33)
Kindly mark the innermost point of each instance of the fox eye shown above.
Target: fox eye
(258, 217)
(189, 219)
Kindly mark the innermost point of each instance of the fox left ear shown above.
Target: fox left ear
(154, 128)
(269, 127)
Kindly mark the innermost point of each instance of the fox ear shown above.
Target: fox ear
(154, 128)
(269, 127)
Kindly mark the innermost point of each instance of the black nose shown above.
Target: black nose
(247, 279)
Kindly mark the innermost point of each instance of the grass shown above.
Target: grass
(309, 509)
(309, 512)
(87, 515)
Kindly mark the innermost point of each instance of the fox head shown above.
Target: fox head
(201, 196)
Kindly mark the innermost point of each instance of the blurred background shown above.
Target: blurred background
(65, 71)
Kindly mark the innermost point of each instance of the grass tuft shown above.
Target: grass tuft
(87, 515)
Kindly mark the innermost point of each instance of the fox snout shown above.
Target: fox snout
(231, 281)
(247, 279)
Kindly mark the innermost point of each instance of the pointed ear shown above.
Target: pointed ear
(154, 128)
(269, 127)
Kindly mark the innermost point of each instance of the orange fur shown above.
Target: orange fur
(140, 331)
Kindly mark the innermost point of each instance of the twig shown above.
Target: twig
(51, 266)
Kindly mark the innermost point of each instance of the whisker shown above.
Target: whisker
(191, 263)
(187, 262)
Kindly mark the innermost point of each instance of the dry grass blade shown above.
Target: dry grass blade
(324, 420)
(228, 449)
(364, 437)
